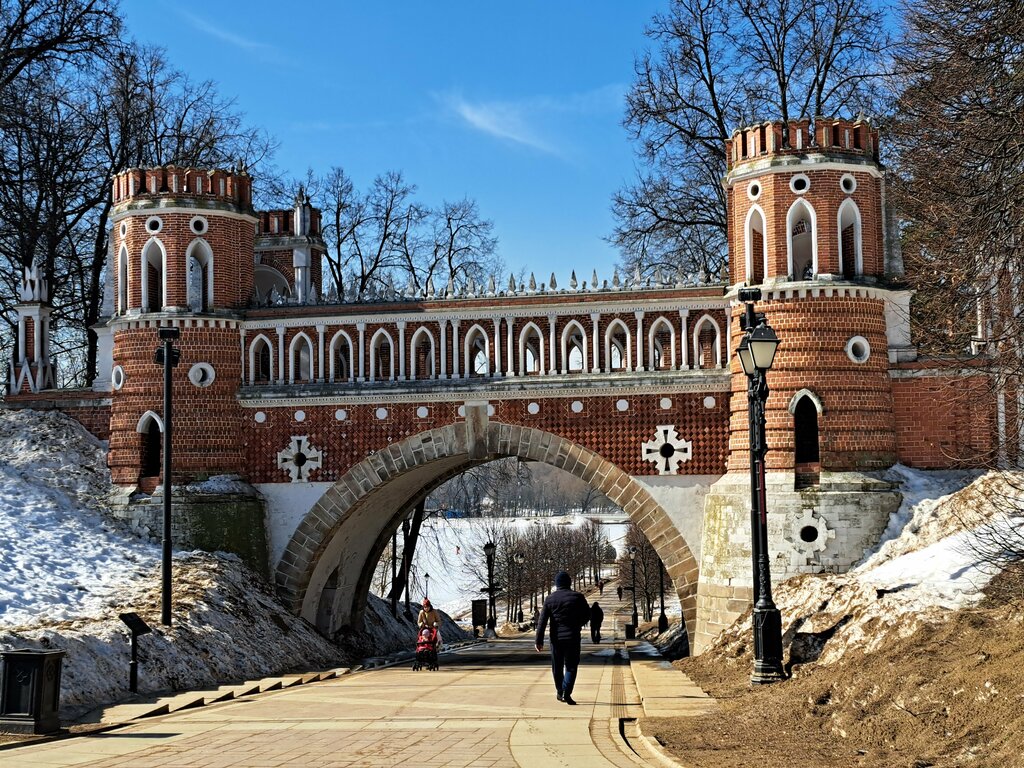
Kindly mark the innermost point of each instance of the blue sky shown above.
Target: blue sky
(518, 105)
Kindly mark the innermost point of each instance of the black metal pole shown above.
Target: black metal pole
(165, 607)
(394, 573)
(636, 619)
(662, 619)
(133, 666)
(492, 619)
(766, 619)
(749, 322)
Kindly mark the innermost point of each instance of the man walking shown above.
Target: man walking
(567, 611)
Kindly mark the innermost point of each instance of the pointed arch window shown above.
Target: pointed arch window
(300, 362)
(662, 338)
(261, 356)
(382, 357)
(423, 355)
(154, 282)
(531, 350)
(850, 255)
(707, 343)
(150, 429)
(617, 347)
(805, 432)
(199, 286)
(478, 353)
(341, 357)
(574, 348)
(755, 244)
(122, 281)
(802, 241)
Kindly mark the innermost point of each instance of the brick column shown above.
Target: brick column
(280, 355)
(361, 327)
(552, 369)
(320, 329)
(639, 341)
(595, 355)
(401, 350)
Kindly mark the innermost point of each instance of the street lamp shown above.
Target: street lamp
(168, 357)
(520, 560)
(632, 561)
(662, 619)
(756, 354)
(489, 552)
(426, 588)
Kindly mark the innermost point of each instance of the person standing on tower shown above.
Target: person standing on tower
(567, 611)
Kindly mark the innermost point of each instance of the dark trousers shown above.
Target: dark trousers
(565, 659)
(595, 633)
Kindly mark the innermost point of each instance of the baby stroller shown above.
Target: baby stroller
(427, 643)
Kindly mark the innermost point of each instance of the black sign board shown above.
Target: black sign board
(479, 613)
(135, 623)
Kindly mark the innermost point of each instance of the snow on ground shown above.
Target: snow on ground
(933, 561)
(61, 557)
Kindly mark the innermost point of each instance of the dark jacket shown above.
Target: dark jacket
(596, 615)
(567, 611)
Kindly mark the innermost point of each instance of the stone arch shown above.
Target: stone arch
(477, 349)
(848, 223)
(429, 371)
(153, 276)
(257, 358)
(300, 366)
(343, 535)
(652, 340)
(801, 244)
(755, 243)
(341, 361)
(531, 330)
(574, 350)
(625, 353)
(697, 328)
(199, 275)
(123, 293)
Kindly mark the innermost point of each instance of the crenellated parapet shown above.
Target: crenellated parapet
(786, 141)
(152, 185)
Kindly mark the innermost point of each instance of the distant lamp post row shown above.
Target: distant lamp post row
(756, 354)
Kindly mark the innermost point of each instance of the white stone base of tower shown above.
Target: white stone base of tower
(823, 528)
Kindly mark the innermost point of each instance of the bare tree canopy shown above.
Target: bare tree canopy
(717, 65)
(385, 240)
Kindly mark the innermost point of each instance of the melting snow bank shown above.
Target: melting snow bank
(67, 571)
(939, 557)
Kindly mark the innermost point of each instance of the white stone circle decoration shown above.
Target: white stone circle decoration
(462, 411)
(848, 183)
(381, 413)
(201, 374)
(198, 225)
(490, 410)
(533, 408)
(341, 414)
(709, 402)
(117, 377)
(124, 228)
(666, 403)
(858, 349)
(577, 406)
(299, 459)
(260, 417)
(154, 224)
(422, 412)
(300, 416)
(809, 535)
(622, 405)
(667, 451)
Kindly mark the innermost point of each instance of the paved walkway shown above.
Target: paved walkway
(489, 705)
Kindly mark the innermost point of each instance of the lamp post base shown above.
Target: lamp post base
(767, 646)
(662, 623)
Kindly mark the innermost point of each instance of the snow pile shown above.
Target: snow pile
(935, 560)
(61, 557)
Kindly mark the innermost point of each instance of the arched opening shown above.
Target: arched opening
(199, 285)
(802, 241)
(151, 442)
(382, 357)
(122, 280)
(574, 348)
(423, 355)
(662, 352)
(531, 350)
(261, 357)
(617, 348)
(805, 432)
(341, 357)
(850, 257)
(348, 528)
(300, 363)
(756, 252)
(269, 283)
(707, 346)
(153, 276)
(478, 349)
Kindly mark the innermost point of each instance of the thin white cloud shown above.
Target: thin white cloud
(522, 122)
(227, 36)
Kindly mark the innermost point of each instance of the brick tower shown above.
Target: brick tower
(31, 369)
(183, 241)
(807, 225)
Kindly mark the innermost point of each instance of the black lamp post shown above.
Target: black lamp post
(632, 561)
(168, 357)
(756, 353)
(489, 552)
(520, 560)
(662, 619)
(426, 588)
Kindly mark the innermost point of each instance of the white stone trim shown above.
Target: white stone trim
(252, 358)
(293, 351)
(205, 260)
(375, 357)
(696, 340)
(142, 426)
(566, 332)
(661, 320)
(801, 202)
(541, 359)
(858, 248)
(749, 256)
(805, 393)
(413, 343)
(144, 275)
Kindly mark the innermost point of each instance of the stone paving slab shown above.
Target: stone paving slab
(664, 690)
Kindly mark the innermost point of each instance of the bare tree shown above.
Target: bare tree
(720, 64)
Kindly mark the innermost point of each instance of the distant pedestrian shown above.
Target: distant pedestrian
(600, 586)
(567, 611)
(619, 590)
(596, 617)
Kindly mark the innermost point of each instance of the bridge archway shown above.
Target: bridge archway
(339, 541)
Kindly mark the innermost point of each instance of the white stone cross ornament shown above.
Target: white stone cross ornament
(667, 450)
(299, 459)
